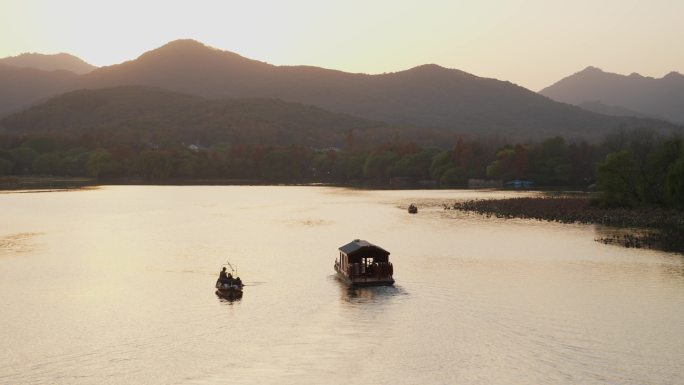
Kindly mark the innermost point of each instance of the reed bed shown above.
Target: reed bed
(664, 228)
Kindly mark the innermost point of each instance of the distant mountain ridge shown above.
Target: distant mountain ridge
(136, 114)
(661, 97)
(22, 87)
(605, 109)
(427, 96)
(56, 62)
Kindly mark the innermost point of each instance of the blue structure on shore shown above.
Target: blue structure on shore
(517, 183)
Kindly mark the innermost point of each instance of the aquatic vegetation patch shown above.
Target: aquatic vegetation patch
(654, 227)
(17, 243)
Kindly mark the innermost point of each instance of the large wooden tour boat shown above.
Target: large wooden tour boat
(362, 263)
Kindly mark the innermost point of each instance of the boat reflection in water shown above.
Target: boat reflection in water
(229, 297)
(369, 294)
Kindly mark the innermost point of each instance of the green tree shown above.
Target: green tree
(378, 163)
(323, 164)
(674, 186)
(101, 163)
(187, 164)
(551, 163)
(658, 169)
(277, 164)
(155, 165)
(42, 144)
(454, 177)
(48, 163)
(23, 159)
(512, 162)
(354, 167)
(6, 167)
(74, 162)
(439, 164)
(619, 181)
(416, 165)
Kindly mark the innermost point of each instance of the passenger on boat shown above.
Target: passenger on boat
(238, 281)
(223, 278)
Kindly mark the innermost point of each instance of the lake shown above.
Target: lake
(114, 285)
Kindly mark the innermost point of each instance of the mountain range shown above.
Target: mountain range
(633, 95)
(428, 96)
(140, 115)
(56, 62)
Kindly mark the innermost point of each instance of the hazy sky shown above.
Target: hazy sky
(532, 43)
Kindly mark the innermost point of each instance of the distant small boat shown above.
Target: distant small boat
(412, 209)
(229, 285)
(362, 263)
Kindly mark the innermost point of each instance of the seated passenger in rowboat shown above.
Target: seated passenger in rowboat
(223, 277)
(226, 281)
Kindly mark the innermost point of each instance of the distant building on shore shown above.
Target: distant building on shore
(518, 184)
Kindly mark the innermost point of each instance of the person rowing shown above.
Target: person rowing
(223, 277)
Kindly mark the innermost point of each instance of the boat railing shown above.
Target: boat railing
(376, 270)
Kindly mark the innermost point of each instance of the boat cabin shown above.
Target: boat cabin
(362, 263)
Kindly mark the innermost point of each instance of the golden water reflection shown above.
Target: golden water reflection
(116, 286)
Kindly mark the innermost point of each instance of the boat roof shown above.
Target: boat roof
(358, 245)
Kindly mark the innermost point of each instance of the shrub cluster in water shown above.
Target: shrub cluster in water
(644, 172)
(666, 225)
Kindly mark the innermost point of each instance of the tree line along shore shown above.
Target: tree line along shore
(629, 168)
(637, 177)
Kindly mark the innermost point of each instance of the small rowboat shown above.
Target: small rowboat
(227, 286)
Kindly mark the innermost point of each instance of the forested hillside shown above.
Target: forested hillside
(150, 116)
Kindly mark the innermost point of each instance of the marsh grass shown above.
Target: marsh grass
(654, 227)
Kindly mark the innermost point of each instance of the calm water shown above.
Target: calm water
(115, 286)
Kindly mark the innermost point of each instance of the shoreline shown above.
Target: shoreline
(20, 183)
(40, 182)
(652, 228)
(36, 183)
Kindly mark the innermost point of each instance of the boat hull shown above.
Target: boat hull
(228, 291)
(361, 281)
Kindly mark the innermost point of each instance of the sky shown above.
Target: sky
(533, 43)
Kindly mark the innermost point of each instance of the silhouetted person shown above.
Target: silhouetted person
(223, 278)
(238, 282)
(230, 279)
